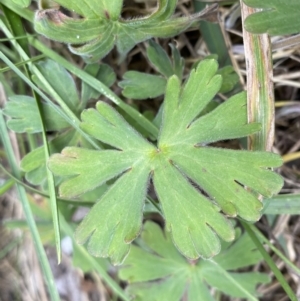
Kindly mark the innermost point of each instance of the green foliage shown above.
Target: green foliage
(138, 85)
(160, 60)
(180, 158)
(103, 73)
(176, 277)
(24, 113)
(199, 187)
(230, 78)
(61, 81)
(276, 18)
(33, 163)
(25, 116)
(101, 26)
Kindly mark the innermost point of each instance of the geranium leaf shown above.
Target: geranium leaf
(79, 161)
(138, 85)
(122, 221)
(182, 107)
(196, 236)
(180, 160)
(101, 26)
(25, 117)
(272, 18)
(176, 277)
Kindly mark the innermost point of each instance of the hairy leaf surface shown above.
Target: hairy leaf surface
(25, 117)
(100, 26)
(179, 165)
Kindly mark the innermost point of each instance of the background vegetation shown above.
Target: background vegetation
(45, 86)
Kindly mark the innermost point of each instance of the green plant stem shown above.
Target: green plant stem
(276, 251)
(22, 12)
(28, 213)
(270, 262)
(6, 186)
(17, 30)
(33, 59)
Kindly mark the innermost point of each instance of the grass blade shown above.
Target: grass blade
(28, 213)
(213, 37)
(283, 204)
(270, 262)
(67, 114)
(260, 91)
(97, 85)
(94, 83)
(17, 28)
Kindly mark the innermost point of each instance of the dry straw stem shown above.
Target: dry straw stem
(258, 56)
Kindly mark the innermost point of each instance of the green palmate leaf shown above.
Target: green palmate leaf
(24, 115)
(101, 26)
(276, 18)
(180, 158)
(176, 277)
(138, 85)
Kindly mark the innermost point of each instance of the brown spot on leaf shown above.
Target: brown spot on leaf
(107, 14)
(53, 15)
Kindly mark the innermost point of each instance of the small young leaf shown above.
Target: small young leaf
(25, 117)
(138, 85)
(159, 59)
(178, 62)
(276, 18)
(177, 277)
(180, 158)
